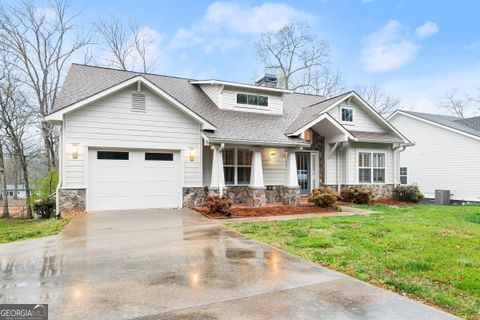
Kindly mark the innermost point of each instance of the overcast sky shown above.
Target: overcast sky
(415, 50)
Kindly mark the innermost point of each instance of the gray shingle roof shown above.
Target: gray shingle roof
(84, 81)
(468, 125)
(375, 137)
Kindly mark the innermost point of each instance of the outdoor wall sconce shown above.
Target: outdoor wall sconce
(191, 155)
(75, 151)
(273, 154)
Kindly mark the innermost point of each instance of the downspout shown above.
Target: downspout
(220, 186)
(393, 159)
(60, 174)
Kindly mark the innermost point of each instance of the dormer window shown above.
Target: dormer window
(252, 100)
(346, 114)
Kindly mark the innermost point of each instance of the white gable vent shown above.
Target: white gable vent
(138, 101)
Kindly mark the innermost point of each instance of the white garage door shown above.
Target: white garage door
(133, 179)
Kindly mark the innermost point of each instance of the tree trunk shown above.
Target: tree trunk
(23, 163)
(49, 146)
(5, 213)
(15, 182)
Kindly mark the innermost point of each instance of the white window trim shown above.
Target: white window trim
(235, 167)
(353, 115)
(251, 106)
(400, 175)
(371, 152)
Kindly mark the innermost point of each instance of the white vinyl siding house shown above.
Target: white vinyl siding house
(441, 158)
(133, 141)
(111, 124)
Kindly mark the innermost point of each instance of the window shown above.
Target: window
(112, 155)
(403, 175)
(155, 156)
(237, 166)
(347, 114)
(371, 167)
(252, 99)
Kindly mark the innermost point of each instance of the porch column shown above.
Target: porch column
(291, 177)
(218, 178)
(256, 174)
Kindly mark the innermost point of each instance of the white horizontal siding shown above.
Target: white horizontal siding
(274, 167)
(440, 159)
(228, 100)
(362, 119)
(212, 91)
(110, 123)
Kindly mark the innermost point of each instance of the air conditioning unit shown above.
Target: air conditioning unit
(442, 197)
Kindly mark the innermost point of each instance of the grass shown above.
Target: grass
(12, 230)
(428, 252)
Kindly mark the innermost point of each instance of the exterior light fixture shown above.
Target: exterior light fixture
(273, 154)
(191, 155)
(308, 135)
(75, 151)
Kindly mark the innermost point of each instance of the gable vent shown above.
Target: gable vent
(138, 101)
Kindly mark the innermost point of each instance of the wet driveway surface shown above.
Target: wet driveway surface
(174, 264)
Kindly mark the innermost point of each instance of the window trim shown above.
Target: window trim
(252, 106)
(235, 167)
(353, 115)
(400, 175)
(371, 167)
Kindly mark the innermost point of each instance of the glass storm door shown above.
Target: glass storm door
(303, 172)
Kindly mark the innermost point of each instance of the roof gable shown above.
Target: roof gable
(468, 126)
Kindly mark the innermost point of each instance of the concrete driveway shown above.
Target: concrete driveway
(174, 264)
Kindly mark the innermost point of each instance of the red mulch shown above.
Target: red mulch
(386, 201)
(271, 209)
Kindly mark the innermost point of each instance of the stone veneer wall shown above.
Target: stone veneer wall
(72, 200)
(256, 197)
(318, 144)
(379, 190)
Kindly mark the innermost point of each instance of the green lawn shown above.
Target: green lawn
(428, 252)
(11, 230)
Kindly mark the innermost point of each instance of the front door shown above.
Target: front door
(303, 172)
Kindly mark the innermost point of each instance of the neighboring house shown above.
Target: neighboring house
(446, 154)
(21, 192)
(132, 140)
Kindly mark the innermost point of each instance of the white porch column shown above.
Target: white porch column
(256, 175)
(291, 177)
(218, 178)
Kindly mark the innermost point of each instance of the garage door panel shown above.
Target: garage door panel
(133, 183)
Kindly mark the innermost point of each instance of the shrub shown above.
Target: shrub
(42, 199)
(219, 204)
(408, 193)
(359, 195)
(45, 208)
(323, 197)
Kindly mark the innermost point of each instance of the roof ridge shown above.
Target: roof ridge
(135, 72)
(339, 95)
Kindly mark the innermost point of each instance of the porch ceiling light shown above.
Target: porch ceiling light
(273, 154)
(75, 151)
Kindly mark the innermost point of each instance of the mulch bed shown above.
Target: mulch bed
(389, 202)
(239, 211)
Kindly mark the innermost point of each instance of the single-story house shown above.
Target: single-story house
(20, 190)
(134, 140)
(446, 154)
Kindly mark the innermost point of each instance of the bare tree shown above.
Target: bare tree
(125, 44)
(301, 61)
(378, 99)
(3, 177)
(17, 120)
(41, 43)
(456, 104)
(116, 42)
